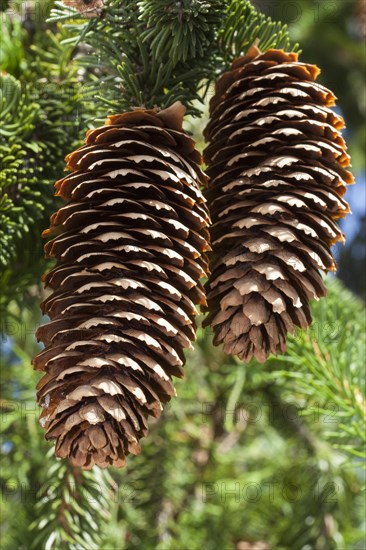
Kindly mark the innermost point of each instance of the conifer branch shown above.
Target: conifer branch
(244, 25)
(153, 53)
(40, 95)
(72, 505)
(140, 62)
(325, 365)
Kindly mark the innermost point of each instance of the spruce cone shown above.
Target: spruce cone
(87, 8)
(130, 246)
(277, 167)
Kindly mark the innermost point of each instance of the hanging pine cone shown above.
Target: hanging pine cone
(130, 246)
(277, 167)
(87, 8)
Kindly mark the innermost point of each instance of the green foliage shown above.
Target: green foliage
(124, 61)
(325, 365)
(40, 98)
(71, 505)
(154, 53)
(4, 4)
(12, 51)
(21, 203)
(180, 31)
(244, 25)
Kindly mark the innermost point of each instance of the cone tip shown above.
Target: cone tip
(173, 116)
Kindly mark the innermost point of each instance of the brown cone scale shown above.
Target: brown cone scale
(278, 171)
(130, 247)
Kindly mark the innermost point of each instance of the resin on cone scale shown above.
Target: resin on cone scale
(130, 246)
(278, 171)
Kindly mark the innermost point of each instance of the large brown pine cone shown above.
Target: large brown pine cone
(87, 8)
(130, 247)
(277, 166)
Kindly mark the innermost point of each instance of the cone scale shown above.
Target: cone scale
(130, 249)
(278, 171)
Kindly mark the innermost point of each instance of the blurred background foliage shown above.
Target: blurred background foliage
(255, 458)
